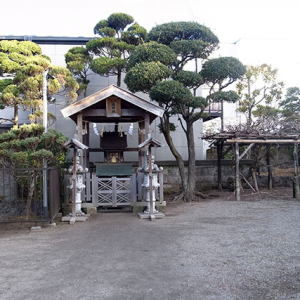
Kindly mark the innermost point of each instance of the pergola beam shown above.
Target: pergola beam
(257, 141)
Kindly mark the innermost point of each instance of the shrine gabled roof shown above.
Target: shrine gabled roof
(112, 90)
(150, 142)
(74, 143)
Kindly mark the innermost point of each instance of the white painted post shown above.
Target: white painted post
(45, 113)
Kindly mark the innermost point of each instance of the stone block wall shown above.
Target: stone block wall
(7, 186)
(207, 174)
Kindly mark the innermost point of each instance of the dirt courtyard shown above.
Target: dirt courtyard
(212, 249)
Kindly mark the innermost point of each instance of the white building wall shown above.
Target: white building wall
(67, 126)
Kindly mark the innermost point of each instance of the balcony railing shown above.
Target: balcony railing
(214, 110)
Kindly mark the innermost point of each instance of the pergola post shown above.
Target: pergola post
(296, 178)
(237, 173)
(219, 153)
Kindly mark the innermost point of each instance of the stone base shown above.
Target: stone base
(91, 210)
(66, 209)
(156, 215)
(138, 209)
(72, 219)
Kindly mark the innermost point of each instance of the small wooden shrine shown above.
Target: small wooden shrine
(113, 105)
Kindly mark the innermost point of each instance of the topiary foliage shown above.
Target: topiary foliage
(152, 51)
(28, 146)
(175, 31)
(145, 75)
(222, 71)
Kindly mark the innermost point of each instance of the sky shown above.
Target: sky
(255, 31)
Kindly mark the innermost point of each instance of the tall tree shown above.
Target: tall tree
(291, 103)
(27, 146)
(24, 64)
(260, 93)
(157, 67)
(78, 60)
(119, 36)
(290, 107)
(258, 90)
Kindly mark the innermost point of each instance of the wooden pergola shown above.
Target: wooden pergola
(112, 105)
(236, 139)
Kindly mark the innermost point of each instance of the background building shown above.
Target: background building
(57, 47)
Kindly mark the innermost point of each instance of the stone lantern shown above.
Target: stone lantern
(151, 184)
(155, 185)
(79, 185)
(76, 183)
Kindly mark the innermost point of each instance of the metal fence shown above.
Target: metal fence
(22, 197)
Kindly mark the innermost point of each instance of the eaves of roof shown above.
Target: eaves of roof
(49, 40)
(111, 90)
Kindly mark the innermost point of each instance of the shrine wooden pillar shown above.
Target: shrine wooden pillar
(140, 140)
(147, 125)
(80, 135)
(86, 141)
(142, 136)
(79, 127)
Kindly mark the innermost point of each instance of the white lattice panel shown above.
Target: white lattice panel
(104, 185)
(114, 191)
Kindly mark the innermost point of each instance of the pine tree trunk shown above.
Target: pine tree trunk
(16, 115)
(119, 75)
(190, 192)
(166, 132)
(31, 185)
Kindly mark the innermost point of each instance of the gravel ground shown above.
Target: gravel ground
(216, 249)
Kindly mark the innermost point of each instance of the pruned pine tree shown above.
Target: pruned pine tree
(158, 67)
(22, 65)
(27, 147)
(78, 60)
(119, 36)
